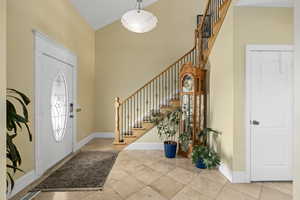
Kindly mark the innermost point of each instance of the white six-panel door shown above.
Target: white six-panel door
(54, 103)
(270, 99)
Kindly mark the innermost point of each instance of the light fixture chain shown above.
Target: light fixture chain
(139, 5)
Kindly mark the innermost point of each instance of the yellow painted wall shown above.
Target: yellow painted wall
(125, 60)
(60, 21)
(150, 137)
(253, 26)
(243, 25)
(297, 102)
(2, 98)
(222, 87)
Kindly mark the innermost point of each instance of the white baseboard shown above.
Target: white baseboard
(23, 182)
(87, 139)
(145, 146)
(234, 176)
(226, 171)
(83, 142)
(104, 135)
(240, 177)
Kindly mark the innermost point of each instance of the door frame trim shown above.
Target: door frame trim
(71, 59)
(251, 48)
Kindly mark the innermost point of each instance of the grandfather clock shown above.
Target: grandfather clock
(193, 105)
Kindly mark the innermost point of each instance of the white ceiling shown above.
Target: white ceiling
(266, 3)
(99, 13)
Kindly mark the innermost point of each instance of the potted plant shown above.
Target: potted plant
(185, 142)
(203, 156)
(167, 130)
(203, 136)
(14, 123)
(185, 137)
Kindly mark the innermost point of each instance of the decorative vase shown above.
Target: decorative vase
(200, 164)
(170, 149)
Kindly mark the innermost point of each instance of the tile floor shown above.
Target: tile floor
(147, 175)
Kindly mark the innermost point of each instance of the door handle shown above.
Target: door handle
(71, 110)
(254, 122)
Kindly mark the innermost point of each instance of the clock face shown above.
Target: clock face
(188, 84)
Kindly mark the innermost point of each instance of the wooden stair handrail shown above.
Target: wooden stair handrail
(153, 97)
(200, 26)
(225, 5)
(170, 66)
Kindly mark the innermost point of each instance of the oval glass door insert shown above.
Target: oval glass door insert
(59, 107)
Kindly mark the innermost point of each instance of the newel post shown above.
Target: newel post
(117, 121)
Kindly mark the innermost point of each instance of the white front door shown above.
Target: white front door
(271, 114)
(54, 96)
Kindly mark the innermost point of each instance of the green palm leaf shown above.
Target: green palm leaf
(15, 121)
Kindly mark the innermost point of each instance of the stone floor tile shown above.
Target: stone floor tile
(273, 194)
(285, 187)
(181, 175)
(214, 175)
(162, 167)
(139, 175)
(206, 186)
(131, 166)
(146, 194)
(167, 186)
(63, 195)
(147, 175)
(127, 186)
(188, 193)
(253, 189)
(230, 194)
(106, 194)
(117, 174)
(184, 163)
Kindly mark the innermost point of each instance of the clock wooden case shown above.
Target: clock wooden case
(193, 102)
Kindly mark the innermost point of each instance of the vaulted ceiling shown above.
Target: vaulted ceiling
(99, 13)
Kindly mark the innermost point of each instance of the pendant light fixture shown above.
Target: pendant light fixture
(139, 20)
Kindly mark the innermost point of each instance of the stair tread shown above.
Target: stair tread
(166, 107)
(137, 128)
(130, 136)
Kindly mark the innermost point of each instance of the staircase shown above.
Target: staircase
(134, 115)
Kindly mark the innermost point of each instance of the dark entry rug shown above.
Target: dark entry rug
(87, 170)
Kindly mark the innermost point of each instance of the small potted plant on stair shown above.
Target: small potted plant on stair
(167, 131)
(203, 156)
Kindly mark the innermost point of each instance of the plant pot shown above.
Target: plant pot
(185, 154)
(170, 149)
(200, 164)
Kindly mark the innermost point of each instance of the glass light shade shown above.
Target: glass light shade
(139, 21)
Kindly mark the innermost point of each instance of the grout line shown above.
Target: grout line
(220, 192)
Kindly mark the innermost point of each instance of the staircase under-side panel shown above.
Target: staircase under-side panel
(161, 94)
